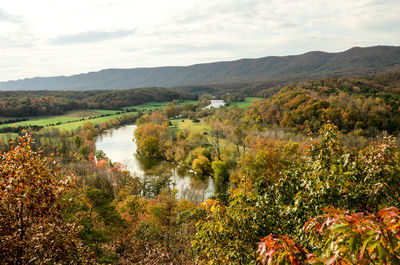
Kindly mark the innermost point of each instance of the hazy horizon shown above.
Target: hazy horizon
(51, 38)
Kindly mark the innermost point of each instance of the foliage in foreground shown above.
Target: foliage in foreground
(32, 229)
(340, 237)
(279, 203)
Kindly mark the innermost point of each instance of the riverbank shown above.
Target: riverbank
(119, 146)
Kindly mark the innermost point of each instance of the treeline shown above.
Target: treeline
(308, 201)
(19, 129)
(12, 120)
(43, 103)
(286, 202)
(318, 204)
(246, 89)
(113, 217)
(283, 201)
(362, 106)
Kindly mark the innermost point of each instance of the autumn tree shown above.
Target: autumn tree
(156, 117)
(201, 165)
(354, 105)
(217, 134)
(151, 139)
(238, 137)
(31, 223)
(361, 181)
(340, 237)
(272, 196)
(221, 171)
(170, 111)
(162, 230)
(228, 234)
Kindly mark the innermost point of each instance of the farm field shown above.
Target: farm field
(187, 124)
(158, 105)
(244, 104)
(74, 119)
(76, 124)
(200, 127)
(68, 117)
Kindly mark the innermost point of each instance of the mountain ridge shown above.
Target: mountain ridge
(314, 64)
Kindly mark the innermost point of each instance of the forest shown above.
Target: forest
(44, 103)
(364, 107)
(308, 175)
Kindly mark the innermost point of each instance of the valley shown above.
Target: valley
(224, 132)
(183, 173)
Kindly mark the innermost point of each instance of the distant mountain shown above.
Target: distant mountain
(355, 61)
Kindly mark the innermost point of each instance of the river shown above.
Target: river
(119, 146)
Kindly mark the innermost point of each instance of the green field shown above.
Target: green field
(72, 120)
(8, 136)
(186, 124)
(75, 125)
(200, 127)
(247, 102)
(73, 116)
(158, 105)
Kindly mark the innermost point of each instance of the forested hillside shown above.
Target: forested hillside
(365, 106)
(279, 196)
(223, 132)
(353, 62)
(43, 103)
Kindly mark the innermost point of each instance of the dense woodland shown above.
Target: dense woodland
(365, 107)
(299, 180)
(44, 103)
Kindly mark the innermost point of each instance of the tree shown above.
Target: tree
(161, 230)
(77, 141)
(195, 153)
(205, 99)
(170, 111)
(340, 237)
(31, 224)
(228, 234)
(238, 137)
(217, 134)
(260, 167)
(151, 139)
(361, 181)
(155, 117)
(221, 171)
(201, 165)
(271, 196)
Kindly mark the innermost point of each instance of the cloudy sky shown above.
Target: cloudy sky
(54, 37)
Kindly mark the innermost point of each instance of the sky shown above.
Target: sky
(55, 37)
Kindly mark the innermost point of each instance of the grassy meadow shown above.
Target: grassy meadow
(200, 127)
(73, 116)
(158, 105)
(75, 119)
(247, 102)
(186, 124)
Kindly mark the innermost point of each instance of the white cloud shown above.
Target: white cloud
(52, 37)
(91, 36)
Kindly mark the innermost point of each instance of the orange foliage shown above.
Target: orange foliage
(32, 229)
(354, 238)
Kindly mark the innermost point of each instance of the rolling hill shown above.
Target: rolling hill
(353, 62)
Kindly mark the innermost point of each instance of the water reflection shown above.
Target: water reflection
(119, 146)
